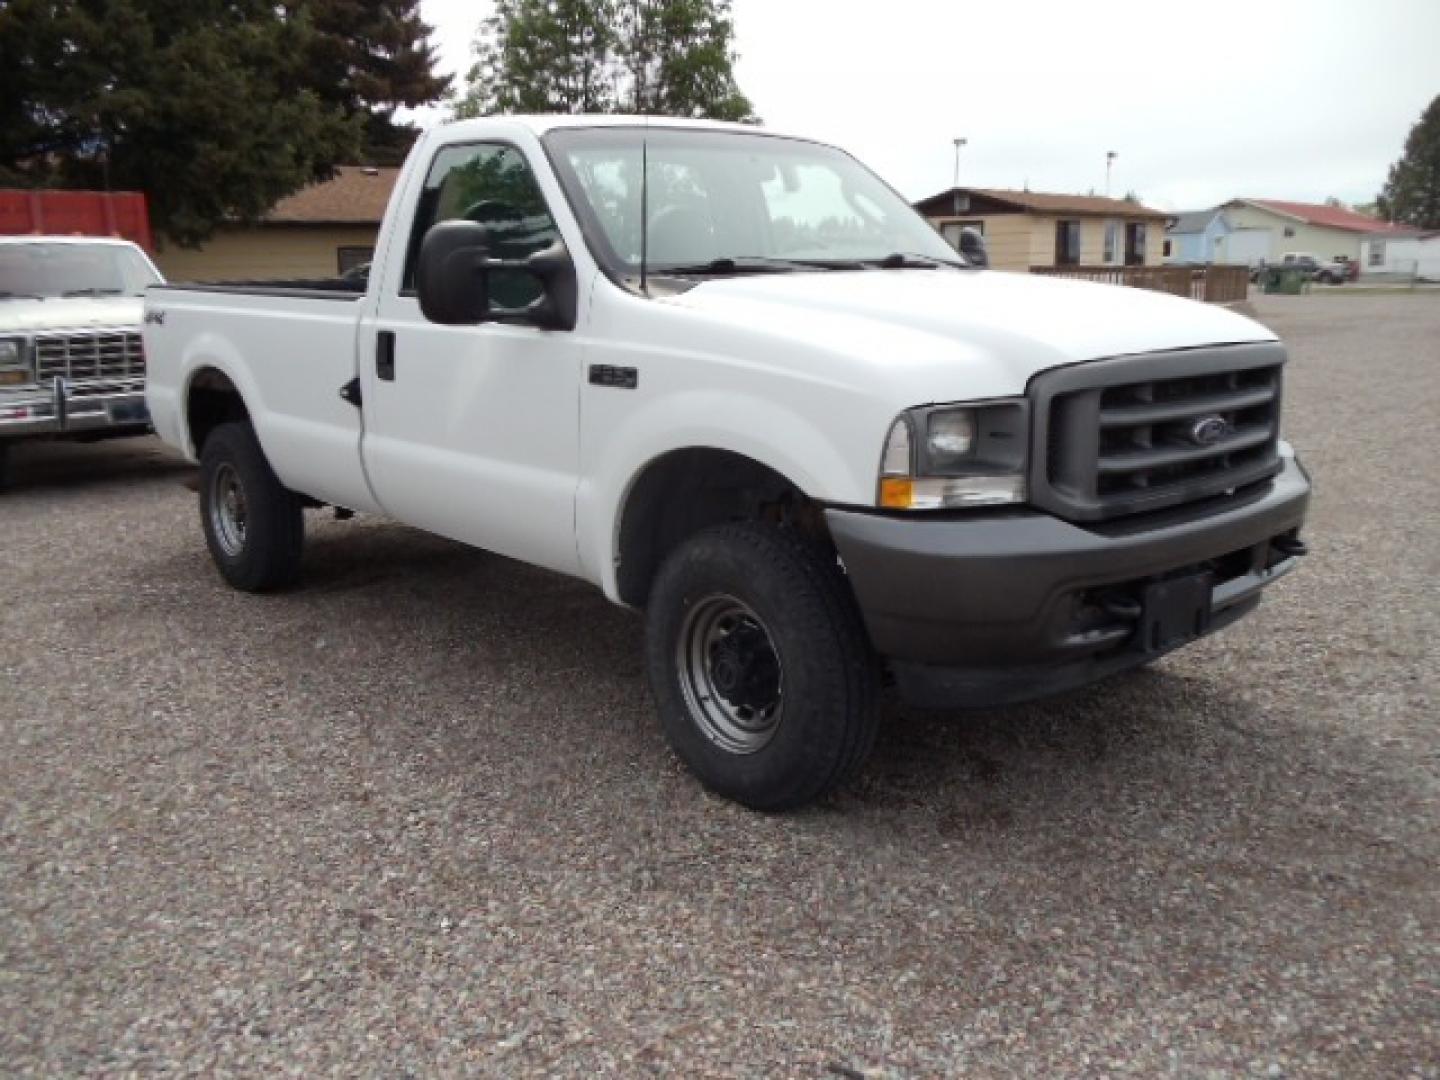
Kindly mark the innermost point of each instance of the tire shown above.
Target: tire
(754, 612)
(254, 526)
(7, 465)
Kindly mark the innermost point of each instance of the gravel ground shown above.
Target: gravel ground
(416, 819)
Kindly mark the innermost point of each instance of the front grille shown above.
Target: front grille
(1142, 433)
(81, 357)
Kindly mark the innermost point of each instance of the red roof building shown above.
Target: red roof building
(1323, 215)
(1265, 230)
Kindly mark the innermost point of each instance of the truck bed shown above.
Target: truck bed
(289, 348)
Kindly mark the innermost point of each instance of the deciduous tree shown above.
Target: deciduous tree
(666, 57)
(543, 56)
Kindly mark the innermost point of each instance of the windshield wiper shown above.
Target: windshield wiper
(6, 295)
(747, 264)
(905, 260)
(93, 292)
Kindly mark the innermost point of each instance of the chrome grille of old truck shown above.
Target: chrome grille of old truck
(1140, 433)
(82, 356)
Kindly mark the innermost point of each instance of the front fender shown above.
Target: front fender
(780, 438)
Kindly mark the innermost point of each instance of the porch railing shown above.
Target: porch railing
(1216, 284)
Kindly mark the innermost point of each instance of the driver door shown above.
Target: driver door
(472, 431)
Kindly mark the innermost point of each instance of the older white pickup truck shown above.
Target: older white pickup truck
(736, 382)
(71, 362)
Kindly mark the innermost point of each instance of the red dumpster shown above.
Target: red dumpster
(75, 213)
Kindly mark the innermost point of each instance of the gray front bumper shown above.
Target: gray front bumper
(64, 408)
(1001, 606)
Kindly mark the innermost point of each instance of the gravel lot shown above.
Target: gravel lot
(416, 818)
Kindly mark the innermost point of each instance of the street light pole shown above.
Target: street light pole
(955, 185)
(1110, 156)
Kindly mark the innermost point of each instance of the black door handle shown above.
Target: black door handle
(385, 355)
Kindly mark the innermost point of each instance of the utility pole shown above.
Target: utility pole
(955, 185)
(1110, 156)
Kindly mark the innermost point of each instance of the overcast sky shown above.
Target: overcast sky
(1203, 101)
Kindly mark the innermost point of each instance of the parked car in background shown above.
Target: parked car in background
(736, 382)
(1311, 268)
(72, 364)
(1338, 271)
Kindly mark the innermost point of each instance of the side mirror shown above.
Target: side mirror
(559, 305)
(452, 278)
(972, 247)
(452, 273)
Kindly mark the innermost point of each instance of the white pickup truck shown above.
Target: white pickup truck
(71, 362)
(737, 383)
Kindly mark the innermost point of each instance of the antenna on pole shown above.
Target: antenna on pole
(644, 201)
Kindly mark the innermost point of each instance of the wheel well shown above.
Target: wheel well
(688, 490)
(212, 401)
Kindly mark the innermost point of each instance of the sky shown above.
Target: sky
(1202, 101)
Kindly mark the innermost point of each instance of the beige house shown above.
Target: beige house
(1265, 229)
(322, 231)
(1025, 229)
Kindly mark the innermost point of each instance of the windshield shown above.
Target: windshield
(44, 271)
(724, 195)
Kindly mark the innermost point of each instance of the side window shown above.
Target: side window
(493, 186)
(350, 258)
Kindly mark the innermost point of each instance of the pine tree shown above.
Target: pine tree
(371, 57)
(205, 105)
(1411, 195)
(215, 109)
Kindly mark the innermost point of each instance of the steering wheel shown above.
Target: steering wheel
(680, 234)
(487, 211)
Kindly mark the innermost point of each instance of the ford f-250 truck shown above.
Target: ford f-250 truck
(71, 361)
(736, 382)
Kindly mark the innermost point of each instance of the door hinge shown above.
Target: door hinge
(351, 392)
(622, 378)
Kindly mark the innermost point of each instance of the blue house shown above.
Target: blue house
(1190, 237)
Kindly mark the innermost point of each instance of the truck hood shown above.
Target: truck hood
(1005, 325)
(74, 313)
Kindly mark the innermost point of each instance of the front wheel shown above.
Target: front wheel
(765, 681)
(254, 526)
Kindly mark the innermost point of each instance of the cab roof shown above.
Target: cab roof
(541, 123)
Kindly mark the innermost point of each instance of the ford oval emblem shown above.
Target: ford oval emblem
(1209, 430)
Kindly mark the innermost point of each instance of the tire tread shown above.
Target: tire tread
(275, 531)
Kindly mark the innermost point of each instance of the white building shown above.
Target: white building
(1408, 254)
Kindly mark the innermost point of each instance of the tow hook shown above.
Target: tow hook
(1292, 547)
(1122, 607)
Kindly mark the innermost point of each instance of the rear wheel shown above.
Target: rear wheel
(6, 465)
(765, 681)
(254, 526)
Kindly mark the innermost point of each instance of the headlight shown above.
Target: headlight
(955, 456)
(13, 366)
